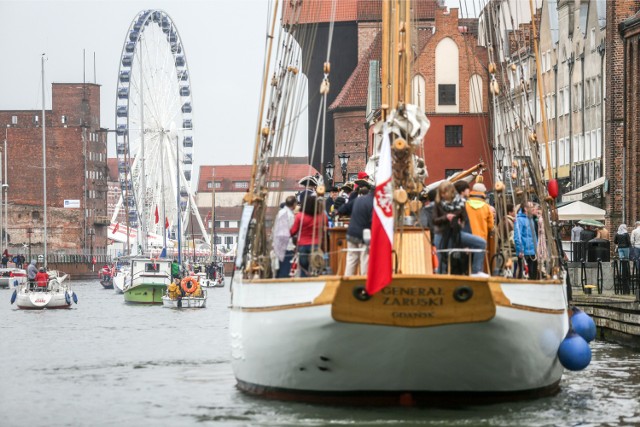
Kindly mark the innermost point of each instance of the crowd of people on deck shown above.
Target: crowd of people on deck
(460, 221)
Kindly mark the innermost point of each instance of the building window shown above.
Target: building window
(63, 120)
(446, 94)
(453, 136)
(450, 172)
(14, 120)
(218, 240)
(228, 240)
(209, 184)
(274, 184)
(218, 184)
(241, 184)
(217, 224)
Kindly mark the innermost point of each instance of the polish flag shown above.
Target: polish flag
(381, 246)
(157, 215)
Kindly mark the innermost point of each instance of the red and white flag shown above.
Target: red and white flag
(380, 260)
(157, 215)
(166, 223)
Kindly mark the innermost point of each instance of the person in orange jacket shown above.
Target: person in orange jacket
(42, 278)
(479, 212)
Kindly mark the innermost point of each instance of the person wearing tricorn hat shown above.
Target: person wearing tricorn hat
(310, 183)
(343, 197)
(333, 195)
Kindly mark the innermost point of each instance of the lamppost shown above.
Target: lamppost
(328, 171)
(5, 191)
(344, 161)
(92, 232)
(500, 157)
(29, 233)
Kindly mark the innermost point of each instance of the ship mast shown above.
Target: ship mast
(396, 59)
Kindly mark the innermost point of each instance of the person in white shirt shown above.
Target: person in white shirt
(576, 247)
(635, 242)
(283, 246)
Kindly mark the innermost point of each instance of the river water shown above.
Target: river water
(107, 363)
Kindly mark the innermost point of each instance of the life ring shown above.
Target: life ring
(189, 284)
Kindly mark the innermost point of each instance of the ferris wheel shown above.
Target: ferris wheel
(154, 129)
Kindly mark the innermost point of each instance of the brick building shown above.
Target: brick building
(448, 83)
(231, 184)
(76, 156)
(622, 122)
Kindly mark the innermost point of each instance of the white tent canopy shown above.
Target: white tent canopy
(579, 210)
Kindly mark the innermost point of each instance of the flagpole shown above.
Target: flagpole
(178, 200)
(164, 215)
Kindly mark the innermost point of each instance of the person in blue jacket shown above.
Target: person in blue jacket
(524, 235)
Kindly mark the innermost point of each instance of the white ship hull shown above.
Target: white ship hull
(120, 280)
(286, 343)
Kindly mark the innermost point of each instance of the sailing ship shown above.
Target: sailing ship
(56, 293)
(399, 334)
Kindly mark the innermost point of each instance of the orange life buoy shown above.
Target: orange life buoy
(189, 284)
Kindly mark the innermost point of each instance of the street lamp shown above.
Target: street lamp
(344, 161)
(500, 155)
(92, 233)
(328, 171)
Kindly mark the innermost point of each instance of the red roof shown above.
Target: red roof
(354, 92)
(315, 11)
(288, 174)
(371, 10)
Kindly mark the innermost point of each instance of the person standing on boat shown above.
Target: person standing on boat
(175, 270)
(283, 246)
(42, 278)
(524, 235)
(361, 217)
(463, 189)
(450, 217)
(5, 259)
(623, 240)
(479, 213)
(308, 229)
(331, 200)
(32, 271)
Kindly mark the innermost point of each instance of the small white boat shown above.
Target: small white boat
(189, 294)
(57, 294)
(217, 282)
(186, 301)
(122, 275)
(12, 277)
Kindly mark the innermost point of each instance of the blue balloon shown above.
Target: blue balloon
(67, 298)
(75, 297)
(14, 295)
(574, 352)
(583, 324)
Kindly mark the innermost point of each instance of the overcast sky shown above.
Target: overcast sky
(223, 41)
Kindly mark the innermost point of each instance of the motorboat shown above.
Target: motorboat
(12, 277)
(148, 280)
(187, 294)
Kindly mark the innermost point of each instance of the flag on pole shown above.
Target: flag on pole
(116, 227)
(380, 265)
(157, 215)
(166, 223)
